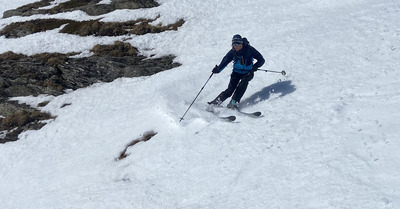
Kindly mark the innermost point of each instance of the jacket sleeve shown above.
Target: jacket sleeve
(257, 55)
(226, 60)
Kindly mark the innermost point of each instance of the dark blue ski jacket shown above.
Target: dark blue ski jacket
(243, 59)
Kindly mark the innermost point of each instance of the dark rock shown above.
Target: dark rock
(28, 10)
(21, 29)
(86, 28)
(91, 7)
(8, 108)
(53, 73)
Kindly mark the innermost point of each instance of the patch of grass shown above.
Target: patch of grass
(87, 28)
(43, 104)
(118, 49)
(98, 28)
(35, 5)
(91, 7)
(22, 118)
(83, 28)
(51, 58)
(146, 136)
(53, 85)
(10, 56)
(20, 121)
(20, 29)
(72, 4)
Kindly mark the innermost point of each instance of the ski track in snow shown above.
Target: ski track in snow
(328, 138)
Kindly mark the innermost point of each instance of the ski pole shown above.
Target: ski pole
(282, 72)
(196, 97)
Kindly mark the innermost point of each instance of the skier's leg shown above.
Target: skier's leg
(235, 78)
(241, 88)
(233, 83)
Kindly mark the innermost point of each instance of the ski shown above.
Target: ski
(256, 114)
(230, 118)
(227, 118)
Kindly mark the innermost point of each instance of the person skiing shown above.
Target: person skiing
(242, 55)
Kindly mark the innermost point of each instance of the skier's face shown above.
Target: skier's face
(237, 47)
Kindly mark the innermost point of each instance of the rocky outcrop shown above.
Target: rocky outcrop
(21, 29)
(86, 28)
(53, 73)
(91, 7)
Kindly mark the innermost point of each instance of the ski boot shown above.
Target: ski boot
(233, 104)
(216, 102)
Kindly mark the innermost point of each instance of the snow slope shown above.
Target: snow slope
(329, 137)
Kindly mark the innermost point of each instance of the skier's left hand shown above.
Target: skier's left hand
(216, 69)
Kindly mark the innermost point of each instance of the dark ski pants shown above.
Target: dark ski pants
(237, 86)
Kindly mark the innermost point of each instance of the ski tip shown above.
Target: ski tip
(257, 113)
(231, 118)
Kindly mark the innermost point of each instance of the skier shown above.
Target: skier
(242, 55)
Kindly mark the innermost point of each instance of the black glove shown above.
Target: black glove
(254, 68)
(216, 69)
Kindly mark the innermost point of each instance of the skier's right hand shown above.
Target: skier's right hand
(216, 69)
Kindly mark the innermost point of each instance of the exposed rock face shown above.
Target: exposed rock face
(91, 7)
(86, 28)
(52, 74)
(21, 29)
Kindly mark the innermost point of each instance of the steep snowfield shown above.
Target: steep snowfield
(329, 137)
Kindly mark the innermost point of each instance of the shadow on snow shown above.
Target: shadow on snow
(283, 88)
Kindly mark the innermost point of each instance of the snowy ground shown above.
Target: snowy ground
(329, 137)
